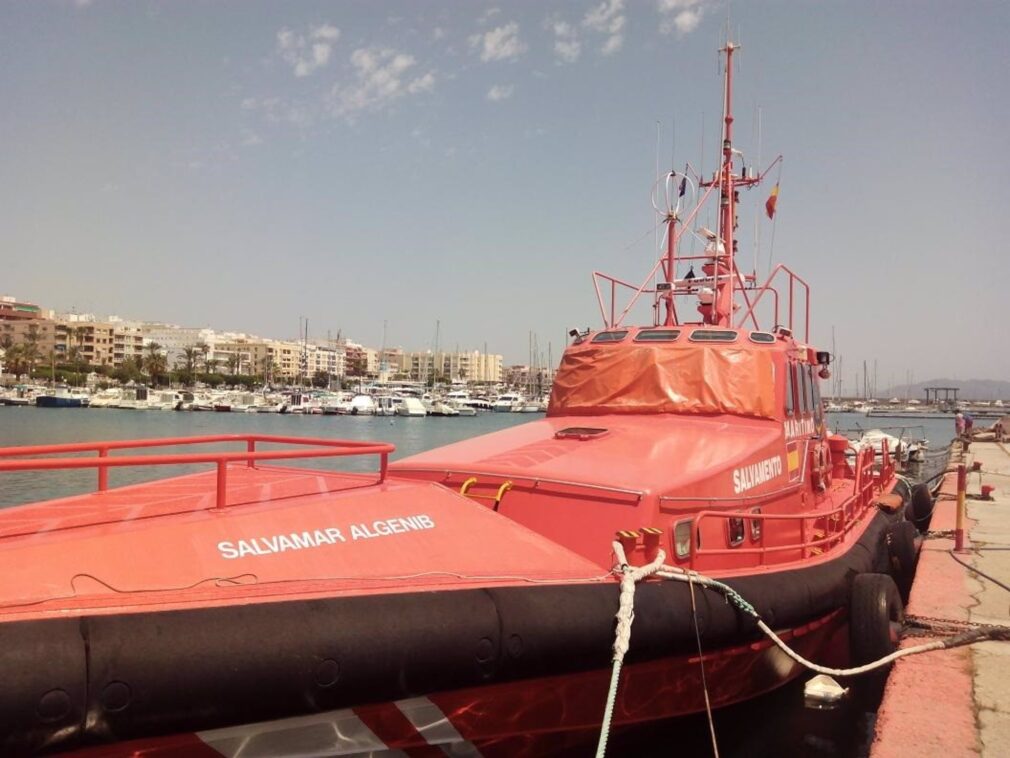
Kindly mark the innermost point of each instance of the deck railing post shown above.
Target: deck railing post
(222, 484)
(962, 488)
(250, 447)
(103, 471)
(383, 465)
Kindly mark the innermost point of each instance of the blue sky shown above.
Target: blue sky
(243, 164)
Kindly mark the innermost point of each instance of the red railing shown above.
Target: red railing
(790, 313)
(818, 529)
(322, 448)
(745, 284)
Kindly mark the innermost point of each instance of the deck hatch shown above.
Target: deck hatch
(581, 433)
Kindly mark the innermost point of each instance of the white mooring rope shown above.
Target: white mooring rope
(631, 575)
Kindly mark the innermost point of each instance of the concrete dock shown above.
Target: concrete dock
(957, 702)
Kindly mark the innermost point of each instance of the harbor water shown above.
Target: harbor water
(47, 426)
(772, 725)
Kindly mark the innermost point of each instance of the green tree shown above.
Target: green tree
(14, 361)
(31, 349)
(130, 370)
(155, 363)
(75, 359)
(187, 363)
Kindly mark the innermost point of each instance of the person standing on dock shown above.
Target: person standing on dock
(959, 424)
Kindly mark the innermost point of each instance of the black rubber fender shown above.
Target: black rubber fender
(903, 553)
(875, 615)
(920, 508)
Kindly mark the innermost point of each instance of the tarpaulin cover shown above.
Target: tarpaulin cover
(684, 378)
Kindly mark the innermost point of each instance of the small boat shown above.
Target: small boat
(63, 397)
(438, 407)
(462, 601)
(410, 406)
(509, 402)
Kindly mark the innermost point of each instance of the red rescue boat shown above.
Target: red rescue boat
(465, 598)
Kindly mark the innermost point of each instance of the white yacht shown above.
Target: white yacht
(411, 406)
(509, 402)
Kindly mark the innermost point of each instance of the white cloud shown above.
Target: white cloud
(500, 92)
(381, 75)
(607, 18)
(250, 138)
(326, 31)
(82, 3)
(681, 16)
(424, 83)
(306, 53)
(438, 33)
(489, 14)
(499, 44)
(567, 47)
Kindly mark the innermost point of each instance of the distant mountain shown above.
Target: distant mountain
(968, 389)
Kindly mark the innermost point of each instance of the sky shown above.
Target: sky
(242, 165)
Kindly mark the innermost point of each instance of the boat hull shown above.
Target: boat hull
(531, 717)
(50, 401)
(136, 676)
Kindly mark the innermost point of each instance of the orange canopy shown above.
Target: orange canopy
(669, 378)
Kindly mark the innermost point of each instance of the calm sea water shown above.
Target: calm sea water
(42, 426)
(46, 426)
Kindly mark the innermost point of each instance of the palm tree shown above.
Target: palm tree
(13, 358)
(269, 368)
(188, 360)
(204, 349)
(32, 351)
(155, 363)
(234, 359)
(74, 358)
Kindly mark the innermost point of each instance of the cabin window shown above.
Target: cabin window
(657, 335)
(818, 404)
(755, 525)
(736, 531)
(682, 539)
(611, 336)
(763, 337)
(803, 392)
(713, 335)
(790, 381)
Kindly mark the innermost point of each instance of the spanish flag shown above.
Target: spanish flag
(772, 199)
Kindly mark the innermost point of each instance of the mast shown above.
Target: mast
(724, 271)
(727, 202)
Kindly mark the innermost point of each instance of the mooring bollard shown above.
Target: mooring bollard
(962, 487)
